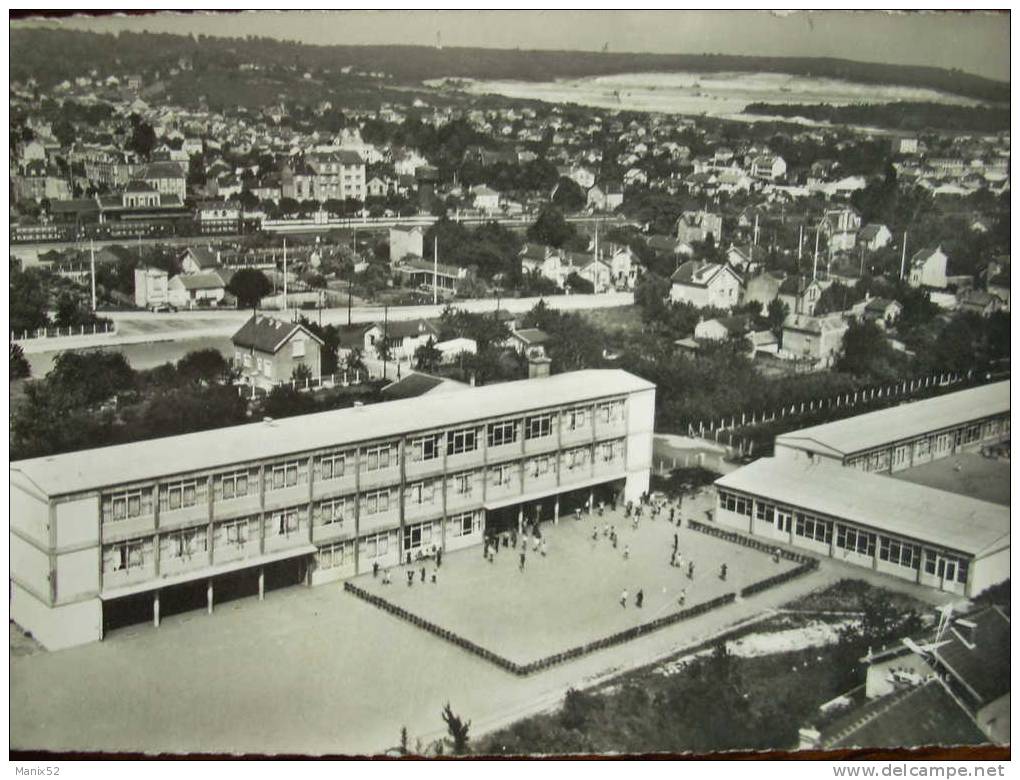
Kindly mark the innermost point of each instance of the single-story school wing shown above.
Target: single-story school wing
(932, 537)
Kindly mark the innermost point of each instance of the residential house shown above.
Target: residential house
(547, 261)
(998, 286)
(485, 198)
(694, 226)
(607, 196)
(723, 328)
(424, 275)
(403, 337)
(269, 351)
(670, 246)
(207, 288)
(197, 259)
(599, 273)
(705, 284)
(742, 258)
(167, 178)
(980, 302)
(815, 339)
(768, 166)
(882, 311)
(452, 349)
(528, 341)
(874, 236)
(150, 287)
(406, 241)
(800, 294)
(928, 268)
(839, 227)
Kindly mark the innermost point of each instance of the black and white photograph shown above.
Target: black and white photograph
(509, 384)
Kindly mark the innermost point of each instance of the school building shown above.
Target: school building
(104, 537)
(909, 434)
(824, 491)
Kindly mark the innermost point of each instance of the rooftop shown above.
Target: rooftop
(86, 470)
(982, 661)
(896, 423)
(914, 511)
(266, 334)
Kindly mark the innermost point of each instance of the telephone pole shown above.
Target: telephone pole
(903, 257)
(92, 255)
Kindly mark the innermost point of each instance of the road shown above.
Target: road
(149, 339)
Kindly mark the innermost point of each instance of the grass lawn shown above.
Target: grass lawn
(969, 474)
(615, 318)
(572, 596)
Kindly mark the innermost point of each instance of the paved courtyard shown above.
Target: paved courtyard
(317, 671)
(571, 595)
(969, 474)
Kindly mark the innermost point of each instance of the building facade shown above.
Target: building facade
(331, 494)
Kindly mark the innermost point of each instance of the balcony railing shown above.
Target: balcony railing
(576, 436)
(178, 564)
(540, 444)
(276, 541)
(116, 530)
(332, 487)
(288, 496)
(420, 468)
(185, 516)
(232, 551)
(119, 577)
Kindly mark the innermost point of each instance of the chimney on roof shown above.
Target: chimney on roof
(538, 364)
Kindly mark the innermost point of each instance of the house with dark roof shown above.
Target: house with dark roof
(882, 311)
(800, 294)
(703, 284)
(528, 341)
(268, 350)
(206, 288)
(874, 236)
(198, 259)
(928, 268)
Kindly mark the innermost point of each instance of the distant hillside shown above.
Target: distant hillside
(896, 116)
(54, 55)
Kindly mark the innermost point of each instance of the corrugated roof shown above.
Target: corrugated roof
(906, 421)
(917, 512)
(145, 460)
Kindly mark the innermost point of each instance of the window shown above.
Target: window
(297, 348)
(417, 536)
(123, 506)
(612, 451)
(577, 458)
(184, 545)
(377, 458)
(238, 533)
(125, 556)
(734, 503)
(611, 412)
(333, 512)
(332, 466)
(287, 475)
(900, 553)
(765, 513)
(852, 540)
(331, 556)
(538, 466)
(501, 475)
(538, 427)
(286, 522)
(972, 433)
(426, 448)
(377, 502)
(922, 447)
(375, 546)
(235, 485)
(929, 561)
(179, 495)
(421, 493)
(577, 418)
(464, 440)
(962, 567)
(813, 528)
(462, 525)
(463, 483)
(501, 433)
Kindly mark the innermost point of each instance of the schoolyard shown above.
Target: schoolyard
(572, 595)
(969, 474)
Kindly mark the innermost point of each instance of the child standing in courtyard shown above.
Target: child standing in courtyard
(623, 598)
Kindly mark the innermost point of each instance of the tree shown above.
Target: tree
(249, 286)
(427, 357)
(204, 366)
(84, 379)
(286, 401)
(143, 137)
(458, 730)
(866, 353)
(28, 301)
(302, 373)
(568, 195)
(551, 229)
(776, 315)
(578, 284)
(650, 295)
(20, 369)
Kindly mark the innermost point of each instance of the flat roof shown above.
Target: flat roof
(84, 470)
(874, 429)
(921, 513)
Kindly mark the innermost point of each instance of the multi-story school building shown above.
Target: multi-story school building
(99, 536)
(825, 491)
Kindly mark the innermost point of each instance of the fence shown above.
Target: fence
(839, 406)
(522, 670)
(95, 329)
(347, 379)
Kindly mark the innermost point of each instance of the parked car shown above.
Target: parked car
(162, 307)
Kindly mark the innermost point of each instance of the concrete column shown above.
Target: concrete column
(556, 511)
(591, 501)
(262, 583)
(209, 596)
(520, 520)
(155, 608)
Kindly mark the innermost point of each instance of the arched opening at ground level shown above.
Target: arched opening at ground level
(525, 514)
(156, 604)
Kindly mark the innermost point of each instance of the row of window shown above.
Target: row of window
(937, 445)
(245, 482)
(732, 502)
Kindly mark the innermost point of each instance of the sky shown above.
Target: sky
(970, 41)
